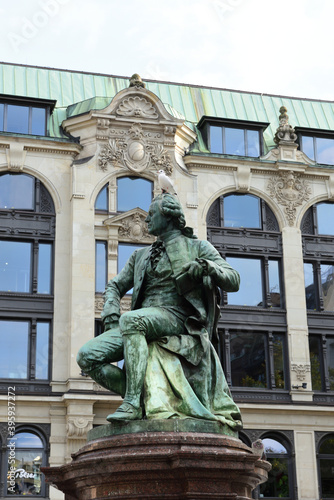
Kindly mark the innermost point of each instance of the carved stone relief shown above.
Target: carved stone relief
(134, 228)
(289, 190)
(137, 106)
(77, 427)
(301, 370)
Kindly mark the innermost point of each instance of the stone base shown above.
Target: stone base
(159, 465)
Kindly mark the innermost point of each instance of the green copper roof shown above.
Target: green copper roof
(78, 92)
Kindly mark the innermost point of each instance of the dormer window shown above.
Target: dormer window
(24, 116)
(317, 145)
(233, 137)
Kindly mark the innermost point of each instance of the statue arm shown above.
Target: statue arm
(224, 276)
(116, 289)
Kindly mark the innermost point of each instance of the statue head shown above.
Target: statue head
(171, 211)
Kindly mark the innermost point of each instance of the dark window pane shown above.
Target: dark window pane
(325, 214)
(316, 369)
(327, 285)
(248, 360)
(100, 266)
(216, 139)
(278, 352)
(327, 447)
(2, 108)
(308, 146)
(102, 199)
(326, 473)
(253, 143)
(274, 283)
(15, 266)
(309, 286)
(132, 193)
(28, 477)
(27, 440)
(325, 150)
(250, 292)
(17, 119)
(14, 349)
(277, 485)
(330, 362)
(17, 191)
(44, 268)
(242, 211)
(234, 141)
(42, 351)
(38, 121)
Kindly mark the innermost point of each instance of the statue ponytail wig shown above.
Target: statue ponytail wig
(170, 206)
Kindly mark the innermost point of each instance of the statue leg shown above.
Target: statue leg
(138, 328)
(95, 356)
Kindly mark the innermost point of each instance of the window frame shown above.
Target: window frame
(315, 134)
(47, 104)
(207, 121)
(321, 437)
(322, 338)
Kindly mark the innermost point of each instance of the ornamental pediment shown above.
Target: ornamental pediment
(131, 226)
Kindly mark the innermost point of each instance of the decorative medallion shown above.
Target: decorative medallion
(134, 228)
(300, 370)
(289, 190)
(137, 106)
(134, 151)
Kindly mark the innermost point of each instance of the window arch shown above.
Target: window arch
(132, 192)
(26, 454)
(325, 466)
(280, 478)
(253, 344)
(27, 222)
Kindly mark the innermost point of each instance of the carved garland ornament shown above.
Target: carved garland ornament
(135, 152)
(300, 370)
(290, 191)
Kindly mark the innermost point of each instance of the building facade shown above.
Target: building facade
(79, 156)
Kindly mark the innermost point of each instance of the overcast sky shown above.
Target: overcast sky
(280, 47)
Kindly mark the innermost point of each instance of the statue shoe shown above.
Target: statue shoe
(126, 412)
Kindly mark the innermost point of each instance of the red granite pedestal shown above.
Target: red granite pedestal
(160, 465)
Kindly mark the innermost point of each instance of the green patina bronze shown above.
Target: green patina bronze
(172, 369)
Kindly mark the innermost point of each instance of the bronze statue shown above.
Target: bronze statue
(172, 369)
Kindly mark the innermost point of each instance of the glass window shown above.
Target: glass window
(17, 119)
(308, 146)
(15, 266)
(253, 143)
(102, 199)
(330, 361)
(17, 191)
(326, 467)
(278, 353)
(235, 141)
(248, 360)
(44, 268)
(277, 485)
(216, 139)
(24, 474)
(250, 292)
(316, 365)
(325, 216)
(2, 107)
(242, 211)
(133, 192)
(38, 120)
(327, 286)
(325, 150)
(101, 271)
(14, 337)
(309, 286)
(42, 351)
(274, 283)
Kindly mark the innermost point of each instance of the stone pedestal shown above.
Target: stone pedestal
(160, 460)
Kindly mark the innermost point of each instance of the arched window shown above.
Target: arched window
(326, 467)
(132, 192)
(279, 484)
(318, 239)
(25, 456)
(27, 222)
(252, 327)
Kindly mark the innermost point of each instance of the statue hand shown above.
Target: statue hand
(194, 270)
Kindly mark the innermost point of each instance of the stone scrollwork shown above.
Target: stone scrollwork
(77, 427)
(134, 228)
(136, 151)
(289, 190)
(301, 370)
(137, 106)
